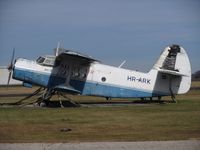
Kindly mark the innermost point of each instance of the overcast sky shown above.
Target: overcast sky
(109, 30)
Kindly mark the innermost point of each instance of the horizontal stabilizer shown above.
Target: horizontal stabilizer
(171, 72)
(67, 89)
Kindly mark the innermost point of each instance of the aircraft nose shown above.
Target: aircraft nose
(15, 63)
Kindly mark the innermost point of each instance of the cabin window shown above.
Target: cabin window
(46, 61)
(103, 79)
(49, 61)
(83, 75)
(76, 72)
(164, 76)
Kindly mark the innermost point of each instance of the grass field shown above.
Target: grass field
(196, 84)
(136, 122)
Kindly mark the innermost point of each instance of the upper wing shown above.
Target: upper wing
(76, 55)
(72, 66)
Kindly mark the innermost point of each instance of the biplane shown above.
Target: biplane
(75, 73)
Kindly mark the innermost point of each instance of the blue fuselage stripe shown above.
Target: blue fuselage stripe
(38, 78)
(85, 87)
(99, 89)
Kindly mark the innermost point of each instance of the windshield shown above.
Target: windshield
(40, 60)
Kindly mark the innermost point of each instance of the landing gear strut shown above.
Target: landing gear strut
(147, 98)
(171, 91)
(43, 101)
(108, 98)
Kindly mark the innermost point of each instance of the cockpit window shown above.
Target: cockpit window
(40, 60)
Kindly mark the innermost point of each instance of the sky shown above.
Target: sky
(109, 30)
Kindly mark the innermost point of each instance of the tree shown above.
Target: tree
(196, 76)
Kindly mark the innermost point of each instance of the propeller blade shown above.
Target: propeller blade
(9, 77)
(10, 66)
(13, 55)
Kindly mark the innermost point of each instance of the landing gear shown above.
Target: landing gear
(171, 91)
(61, 104)
(44, 100)
(43, 103)
(159, 98)
(173, 98)
(147, 98)
(108, 98)
(151, 99)
(70, 101)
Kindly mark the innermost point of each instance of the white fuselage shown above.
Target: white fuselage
(170, 75)
(100, 79)
(125, 78)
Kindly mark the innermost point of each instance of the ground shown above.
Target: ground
(126, 122)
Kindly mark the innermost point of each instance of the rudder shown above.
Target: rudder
(174, 62)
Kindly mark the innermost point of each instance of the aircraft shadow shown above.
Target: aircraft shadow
(66, 103)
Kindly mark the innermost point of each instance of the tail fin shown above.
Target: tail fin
(174, 62)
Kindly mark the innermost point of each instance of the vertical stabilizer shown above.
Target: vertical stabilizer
(174, 64)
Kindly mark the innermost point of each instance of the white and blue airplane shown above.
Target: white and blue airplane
(73, 72)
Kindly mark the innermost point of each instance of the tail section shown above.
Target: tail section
(174, 70)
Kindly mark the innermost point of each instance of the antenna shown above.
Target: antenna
(122, 64)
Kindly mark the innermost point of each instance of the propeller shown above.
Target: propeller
(10, 66)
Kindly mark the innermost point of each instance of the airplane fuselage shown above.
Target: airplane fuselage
(96, 79)
(76, 73)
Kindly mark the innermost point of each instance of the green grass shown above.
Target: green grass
(195, 84)
(136, 122)
(128, 123)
